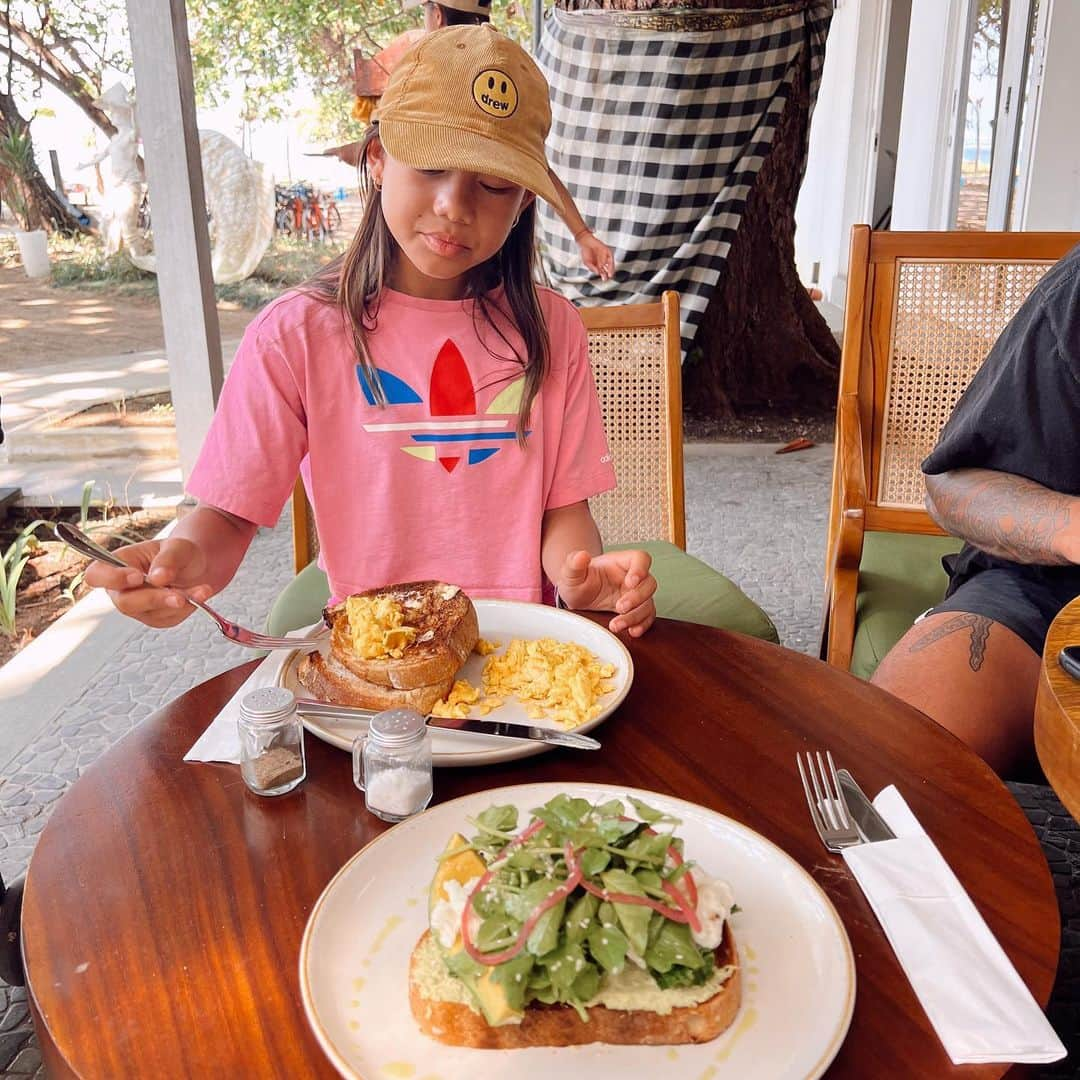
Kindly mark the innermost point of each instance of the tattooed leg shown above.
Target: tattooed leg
(973, 676)
(979, 625)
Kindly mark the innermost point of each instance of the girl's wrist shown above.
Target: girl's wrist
(581, 232)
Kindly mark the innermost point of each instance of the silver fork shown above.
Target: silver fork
(828, 810)
(250, 639)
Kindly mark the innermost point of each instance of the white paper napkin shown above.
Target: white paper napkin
(221, 740)
(972, 994)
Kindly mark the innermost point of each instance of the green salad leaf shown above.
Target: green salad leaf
(581, 936)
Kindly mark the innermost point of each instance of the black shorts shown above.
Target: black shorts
(1024, 604)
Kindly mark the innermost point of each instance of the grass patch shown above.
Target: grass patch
(81, 263)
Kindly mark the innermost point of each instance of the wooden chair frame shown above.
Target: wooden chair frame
(599, 321)
(869, 324)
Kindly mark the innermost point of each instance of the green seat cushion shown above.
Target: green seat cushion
(692, 591)
(689, 590)
(899, 578)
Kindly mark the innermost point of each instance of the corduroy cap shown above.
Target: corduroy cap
(466, 97)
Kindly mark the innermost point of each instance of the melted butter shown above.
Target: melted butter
(389, 927)
(749, 953)
(673, 1054)
(708, 1074)
(746, 1021)
(402, 1069)
(412, 901)
(358, 985)
(354, 1025)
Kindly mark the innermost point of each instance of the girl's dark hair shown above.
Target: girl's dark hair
(453, 17)
(355, 280)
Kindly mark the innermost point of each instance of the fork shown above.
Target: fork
(828, 810)
(240, 635)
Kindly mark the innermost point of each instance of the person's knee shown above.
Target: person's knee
(973, 676)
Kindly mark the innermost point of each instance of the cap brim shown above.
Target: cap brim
(408, 4)
(436, 146)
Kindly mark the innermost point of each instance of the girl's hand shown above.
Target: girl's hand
(596, 255)
(164, 562)
(615, 581)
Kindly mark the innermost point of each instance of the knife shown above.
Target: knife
(871, 824)
(501, 728)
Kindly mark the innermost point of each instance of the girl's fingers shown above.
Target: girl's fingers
(101, 575)
(636, 621)
(148, 604)
(637, 595)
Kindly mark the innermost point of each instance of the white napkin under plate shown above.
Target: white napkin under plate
(972, 994)
(221, 740)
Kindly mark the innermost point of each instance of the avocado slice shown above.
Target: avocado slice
(489, 995)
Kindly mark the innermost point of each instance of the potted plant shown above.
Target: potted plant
(16, 167)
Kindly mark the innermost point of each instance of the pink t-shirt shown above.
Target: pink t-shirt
(432, 485)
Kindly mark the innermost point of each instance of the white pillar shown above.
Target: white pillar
(165, 99)
(1052, 196)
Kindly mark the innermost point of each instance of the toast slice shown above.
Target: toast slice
(328, 679)
(457, 1023)
(446, 628)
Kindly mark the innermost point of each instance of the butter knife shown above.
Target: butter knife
(871, 824)
(500, 728)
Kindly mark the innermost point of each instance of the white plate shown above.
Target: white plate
(798, 969)
(500, 621)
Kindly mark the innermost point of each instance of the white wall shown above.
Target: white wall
(1053, 190)
(836, 192)
(933, 89)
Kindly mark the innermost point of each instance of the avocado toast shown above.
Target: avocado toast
(585, 925)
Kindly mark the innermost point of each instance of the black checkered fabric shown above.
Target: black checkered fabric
(658, 136)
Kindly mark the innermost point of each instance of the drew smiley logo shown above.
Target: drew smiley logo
(494, 91)
(450, 394)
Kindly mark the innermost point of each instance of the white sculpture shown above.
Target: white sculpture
(120, 212)
(239, 197)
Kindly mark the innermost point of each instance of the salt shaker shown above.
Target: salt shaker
(272, 758)
(392, 764)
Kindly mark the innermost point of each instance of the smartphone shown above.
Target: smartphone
(1069, 659)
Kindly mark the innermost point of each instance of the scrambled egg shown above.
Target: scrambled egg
(556, 680)
(376, 627)
(462, 697)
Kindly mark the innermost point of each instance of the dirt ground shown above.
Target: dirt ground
(41, 322)
(51, 580)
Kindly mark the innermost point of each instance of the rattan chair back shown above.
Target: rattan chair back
(923, 311)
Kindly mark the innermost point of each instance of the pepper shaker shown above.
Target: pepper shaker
(392, 764)
(272, 759)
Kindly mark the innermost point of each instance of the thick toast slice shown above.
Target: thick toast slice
(447, 630)
(329, 680)
(456, 1024)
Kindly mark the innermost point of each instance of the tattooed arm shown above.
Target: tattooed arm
(1007, 516)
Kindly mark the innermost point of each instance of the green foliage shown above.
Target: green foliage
(73, 44)
(16, 168)
(274, 49)
(12, 564)
(81, 263)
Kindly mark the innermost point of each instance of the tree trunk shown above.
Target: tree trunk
(46, 209)
(762, 343)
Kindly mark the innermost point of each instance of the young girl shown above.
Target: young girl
(595, 254)
(439, 406)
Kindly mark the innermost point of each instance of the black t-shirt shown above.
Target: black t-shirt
(1021, 412)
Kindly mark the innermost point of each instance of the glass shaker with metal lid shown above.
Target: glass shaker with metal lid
(272, 758)
(392, 764)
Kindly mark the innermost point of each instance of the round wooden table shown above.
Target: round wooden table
(165, 904)
(1057, 711)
